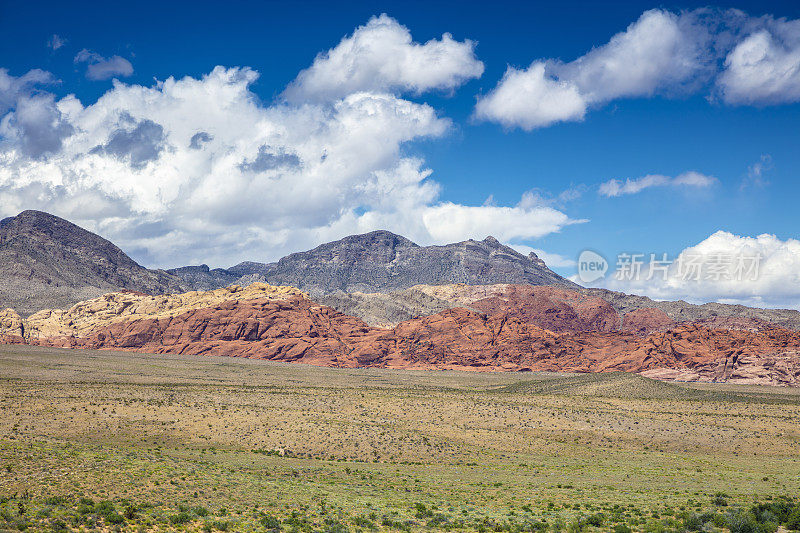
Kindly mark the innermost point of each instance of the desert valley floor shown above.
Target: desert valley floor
(131, 441)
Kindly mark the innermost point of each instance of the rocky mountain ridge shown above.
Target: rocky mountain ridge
(46, 261)
(382, 261)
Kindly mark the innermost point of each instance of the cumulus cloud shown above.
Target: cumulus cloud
(449, 222)
(531, 99)
(746, 60)
(381, 56)
(102, 68)
(13, 88)
(36, 127)
(615, 187)
(762, 271)
(245, 179)
(764, 68)
(659, 51)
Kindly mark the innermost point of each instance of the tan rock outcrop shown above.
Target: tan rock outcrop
(11, 324)
(89, 315)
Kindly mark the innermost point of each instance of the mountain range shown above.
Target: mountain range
(375, 299)
(46, 261)
(382, 261)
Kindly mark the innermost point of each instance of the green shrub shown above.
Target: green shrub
(793, 519)
(58, 526)
(576, 526)
(693, 522)
(181, 518)
(114, 518)
(719, 499)
(538, 526)
(362, 521)
(437, 520)
(105, 506)
(335, 527)
(596, 519)
(422, 511)
(741, 521)
(395, 524)
(270, 522)
(85, 509)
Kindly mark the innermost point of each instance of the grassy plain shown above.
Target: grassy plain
(125, 441)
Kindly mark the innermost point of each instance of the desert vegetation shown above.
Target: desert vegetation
(134, 442)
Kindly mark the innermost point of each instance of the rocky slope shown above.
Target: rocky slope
(381, 261)
(84, 317)
(516, 328)
(390, 308)
(681, 311)
(202, 278)
(46, 261)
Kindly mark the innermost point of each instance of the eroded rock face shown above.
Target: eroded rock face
(521, 328)
(554, 308)
(681, 311)
(11, 324)
(645, 320)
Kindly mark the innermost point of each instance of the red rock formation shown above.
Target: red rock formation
(552, 308)
(525, 328)
(646, 320)
(298, 330)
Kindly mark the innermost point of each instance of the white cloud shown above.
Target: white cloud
(764, 68)
(615, 187)
(102, 68)
(662, 53)
(529, 99)
(36, 127)
(241, 180)
(13, 88)
(537, 197)
(381, 56)
(450, 222)
(762, 271)
(657, 52)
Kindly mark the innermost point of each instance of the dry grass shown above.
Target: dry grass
(256, 437)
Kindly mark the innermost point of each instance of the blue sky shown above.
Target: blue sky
(473, 161)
